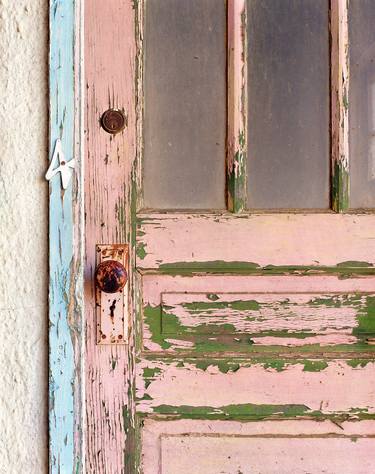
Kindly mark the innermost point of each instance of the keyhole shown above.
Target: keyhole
(112, 311)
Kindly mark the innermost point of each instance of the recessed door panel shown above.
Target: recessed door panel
(271, 447)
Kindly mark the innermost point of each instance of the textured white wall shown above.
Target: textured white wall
(23, 236)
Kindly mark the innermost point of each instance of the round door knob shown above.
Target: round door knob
(110, 276)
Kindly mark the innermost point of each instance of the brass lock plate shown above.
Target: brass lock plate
(112, 317)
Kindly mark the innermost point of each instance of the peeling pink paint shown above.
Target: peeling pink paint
(337, 388)
(288, 311)
(109, 81)
(154, 285)
(276, 239)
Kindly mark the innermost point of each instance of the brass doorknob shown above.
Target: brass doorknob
(110, 276)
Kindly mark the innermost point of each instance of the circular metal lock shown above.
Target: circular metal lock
(110, 276)
(113, 121)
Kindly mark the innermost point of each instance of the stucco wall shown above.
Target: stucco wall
(23, 236)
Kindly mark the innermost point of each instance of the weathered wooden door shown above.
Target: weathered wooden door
(249, 321)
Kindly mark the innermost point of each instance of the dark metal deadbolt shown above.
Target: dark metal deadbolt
(113, 121)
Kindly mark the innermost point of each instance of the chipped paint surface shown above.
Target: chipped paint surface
(340, 104)
(110, 81)
(255, 391)
(237, 106)
(217, 313)
(238, 321)
(65, 217)
(220, 240)
(217, 353)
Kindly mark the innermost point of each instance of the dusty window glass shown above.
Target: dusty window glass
(362, 103)
(288, 114)
(185, 104)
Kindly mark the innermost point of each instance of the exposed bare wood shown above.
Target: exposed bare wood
(340, 104)
(237, 105)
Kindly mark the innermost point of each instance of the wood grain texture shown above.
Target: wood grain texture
(110, 53)
(256, 389)
(237, 106)
(340, 105)
(232, 314)
(178, 241)
(65, 235)
(235, 321)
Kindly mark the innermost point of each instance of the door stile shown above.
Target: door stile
(339, 105)
(237, 106)
(110, 58)
(66, 425)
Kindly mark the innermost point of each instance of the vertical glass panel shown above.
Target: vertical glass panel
(185, 104)
(362, 103)
(288, 119)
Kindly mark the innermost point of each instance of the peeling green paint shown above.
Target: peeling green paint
(120, 212)
(237, 177)
(141, 250)
(354, 263)
(206, 338)
(149, 374)
(223, 337)
(355, 363)
(153, 320)
(254, 412)
(250, 305)
(277, 364)
(342, 269)
(246, 410)
(224, 366)
(366, 319)
(340, 187)
(314, 365)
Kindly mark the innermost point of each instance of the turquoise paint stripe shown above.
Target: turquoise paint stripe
(61, 356)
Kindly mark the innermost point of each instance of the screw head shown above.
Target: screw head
(113, 121)
(110, 276)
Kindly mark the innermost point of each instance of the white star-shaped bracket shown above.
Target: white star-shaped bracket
(64, 167)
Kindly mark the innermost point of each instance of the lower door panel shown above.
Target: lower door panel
(256, 374)
(271, 447)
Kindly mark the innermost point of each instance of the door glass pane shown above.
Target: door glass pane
(185, 104)
(288, 119)
(362, 103)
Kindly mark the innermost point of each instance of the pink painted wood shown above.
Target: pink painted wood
(308, 374)
(110, 79)
(173, 447)
(263, 239)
